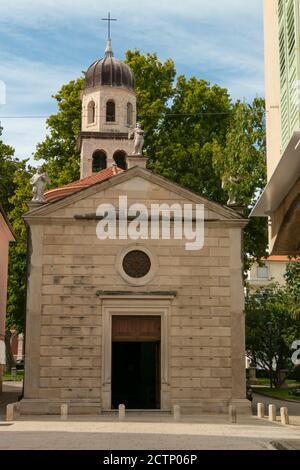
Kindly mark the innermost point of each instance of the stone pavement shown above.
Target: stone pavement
(143, 432)
(149, 431)
(287, 445)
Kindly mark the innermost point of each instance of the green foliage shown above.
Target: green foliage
(154, 88)
(271, 329)
(18, 250)
(8, 166)
(292, 277)
(59, 147)
(198, 116)
(240, 163)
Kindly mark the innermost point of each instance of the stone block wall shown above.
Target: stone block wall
(69, 265)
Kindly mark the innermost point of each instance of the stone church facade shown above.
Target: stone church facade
(144, 323)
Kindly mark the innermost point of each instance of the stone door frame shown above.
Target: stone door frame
(135, 307)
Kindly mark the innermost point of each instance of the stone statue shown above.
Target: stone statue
(38, 183)
(138, 135)
(229, 183)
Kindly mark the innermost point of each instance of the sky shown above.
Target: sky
(46, 43)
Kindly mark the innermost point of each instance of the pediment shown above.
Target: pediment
(138, 185)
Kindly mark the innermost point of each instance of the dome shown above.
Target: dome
(109, 71)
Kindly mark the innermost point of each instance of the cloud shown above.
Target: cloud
(45, 44)
(29, 86)
(23, 135)
(31, 11)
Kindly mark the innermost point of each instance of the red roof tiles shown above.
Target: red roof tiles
(59, 193)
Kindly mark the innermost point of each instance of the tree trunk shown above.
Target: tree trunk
(10, 362)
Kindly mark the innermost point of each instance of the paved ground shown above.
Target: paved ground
(287, 445)
(151, 432)
(146, 432)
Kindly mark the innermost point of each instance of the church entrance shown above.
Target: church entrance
(136, 344)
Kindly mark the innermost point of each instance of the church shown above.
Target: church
(139, 321)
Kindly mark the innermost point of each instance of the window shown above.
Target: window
(99, 161)
(120, 159)
(263, 272)
(110, 111)
(129, 114)
(136, 264)
(91, 112)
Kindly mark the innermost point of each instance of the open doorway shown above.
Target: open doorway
(136, 362)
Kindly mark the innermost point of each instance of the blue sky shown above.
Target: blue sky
(45, 43)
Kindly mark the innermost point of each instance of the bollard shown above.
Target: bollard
(13, 372)
(17, 410)
(176, 412)
(260, 410)
(122, 411)
(232, 414)
(284, 414)
(272, 413)
(64, 412)
(10, 412)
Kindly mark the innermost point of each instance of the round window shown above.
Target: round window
(136, 264)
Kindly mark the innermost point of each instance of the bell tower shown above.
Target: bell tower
(108, 114)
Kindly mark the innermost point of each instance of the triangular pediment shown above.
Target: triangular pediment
(138, 184)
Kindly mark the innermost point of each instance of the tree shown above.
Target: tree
(292, 277)
(59, 147)
(8, 166)
(198, 116)
(16, 301)
(240, 162)
(18, 250)
(271, 330)
(154, 88)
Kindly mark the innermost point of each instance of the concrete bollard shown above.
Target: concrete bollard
(284, 414)
(17, 409)
(272, 413)
(122, 411)
(260, 410)
(176, 412)
(232, 414)
(10, 412)
(13, 372)
(64, 409)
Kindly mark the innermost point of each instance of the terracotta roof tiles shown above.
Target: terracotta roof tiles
(59, 193)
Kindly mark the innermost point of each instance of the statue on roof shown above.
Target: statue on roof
(138, 136)
(230, 184)
(39, 182)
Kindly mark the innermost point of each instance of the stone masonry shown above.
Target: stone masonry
(203, 357)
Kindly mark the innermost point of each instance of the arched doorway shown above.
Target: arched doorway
(120, 159)
(99, 161)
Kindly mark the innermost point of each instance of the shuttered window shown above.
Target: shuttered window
(288, 15)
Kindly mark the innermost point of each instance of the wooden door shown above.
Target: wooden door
(136, 328)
